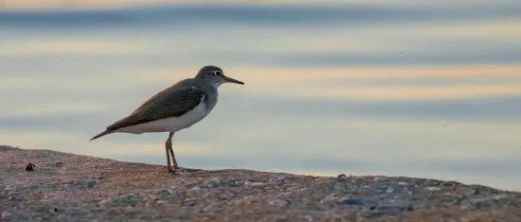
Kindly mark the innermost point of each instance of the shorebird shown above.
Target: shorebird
(175, 108)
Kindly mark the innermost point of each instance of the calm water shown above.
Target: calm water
(425, 90)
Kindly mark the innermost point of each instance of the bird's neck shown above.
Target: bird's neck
(208, 86)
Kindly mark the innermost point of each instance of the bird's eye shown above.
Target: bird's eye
(217, 73)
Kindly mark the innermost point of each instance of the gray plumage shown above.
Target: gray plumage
(176, 100)
(171, 102)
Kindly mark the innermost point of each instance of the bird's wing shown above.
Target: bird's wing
(171, 102)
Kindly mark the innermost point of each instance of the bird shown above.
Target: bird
(175, 108)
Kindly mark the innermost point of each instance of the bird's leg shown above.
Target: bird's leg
(172, 152)
(168, 146)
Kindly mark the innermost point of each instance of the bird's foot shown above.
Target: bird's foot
(171, 169)
(174, 169)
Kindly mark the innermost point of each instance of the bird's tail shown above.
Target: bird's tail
(101, 134)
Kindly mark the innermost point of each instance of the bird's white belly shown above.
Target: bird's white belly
(170, 124)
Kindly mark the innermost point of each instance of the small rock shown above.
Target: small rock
(500, 196)
(253, 184)
(278, 179)
(30, 167)
(389, 190)
(401, 183)
(166, 194)
(59, 164)
(278, 203)
(353, 201)
(341, 177)
(245, 200)
(341, 187)
(308, 218)
(212, 207)
(333, 197)
(104, 201)
(10, 187)
(214, 182)
(130, 200)
(54, 210)
(189, 203)
(90, 183)
(5, 215)
(433, 189)
(234, 183)
(161, 202)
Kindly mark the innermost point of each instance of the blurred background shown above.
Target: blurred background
(398, 88)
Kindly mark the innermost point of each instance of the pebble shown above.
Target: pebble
(278, 179)
(308, 218)
(90, 183)
(245, 200)
(30, 167)
(278, 203)
(333, 197)
(5, 215)
(54, 210)
(234, 183)
(214, 182)
(254, 184)
(499, 196)
(130, 200)
(166, 194)
(401, 183)
(354, 201)
(9, 187)
(433, 189)
(212, 207)
(104, 201)
(161, 202)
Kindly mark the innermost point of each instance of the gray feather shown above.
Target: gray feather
(171, 102)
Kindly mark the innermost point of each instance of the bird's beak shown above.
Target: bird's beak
(232, 80)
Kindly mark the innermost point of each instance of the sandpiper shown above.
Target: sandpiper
(174, 108)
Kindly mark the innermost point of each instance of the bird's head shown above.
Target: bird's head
(215, 76)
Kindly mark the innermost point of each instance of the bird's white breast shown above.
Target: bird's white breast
(171, 124)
